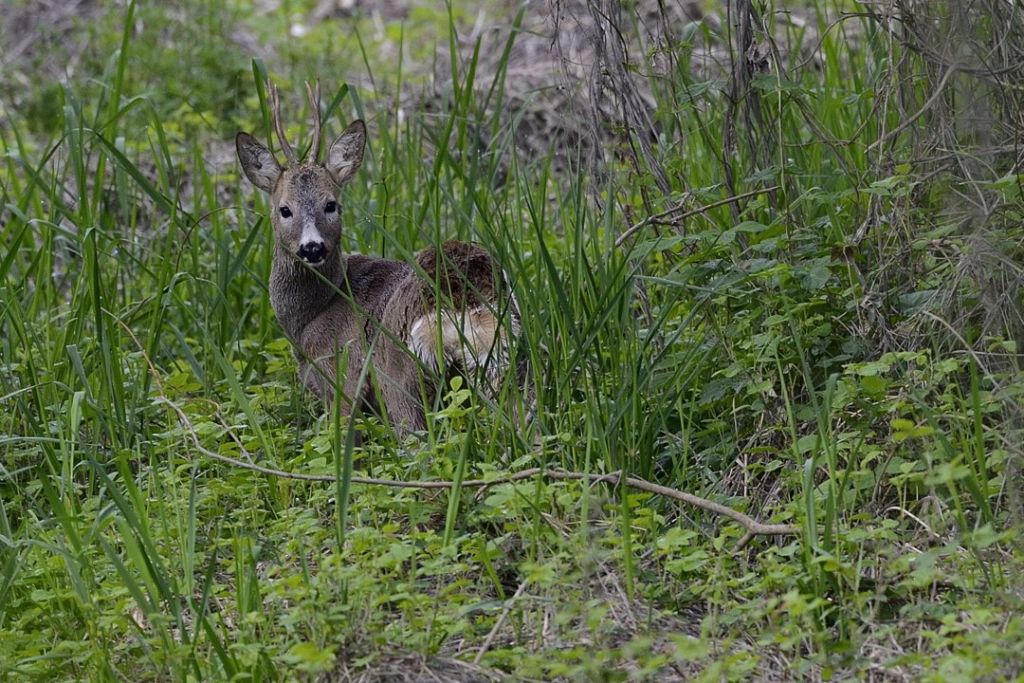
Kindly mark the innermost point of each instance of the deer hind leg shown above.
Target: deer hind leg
(402, 389)
(475, 340)
(448, 321)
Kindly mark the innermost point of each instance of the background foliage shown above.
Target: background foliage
(766, 253)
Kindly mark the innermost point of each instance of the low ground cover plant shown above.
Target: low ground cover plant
(766, 260)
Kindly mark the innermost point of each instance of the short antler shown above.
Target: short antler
(314, 112)
(275, 113)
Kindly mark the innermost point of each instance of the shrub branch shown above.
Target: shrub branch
(668, 216)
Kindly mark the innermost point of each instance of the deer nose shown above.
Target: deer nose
(312, 252)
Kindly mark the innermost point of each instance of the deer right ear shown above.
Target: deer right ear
(346, 152)
(258, 162)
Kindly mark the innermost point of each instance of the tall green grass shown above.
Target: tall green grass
(717, 355)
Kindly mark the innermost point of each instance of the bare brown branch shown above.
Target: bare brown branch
(499, 623)
(660, 217)
(752, 526)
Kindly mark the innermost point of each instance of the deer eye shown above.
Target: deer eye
(330, 207)
(285, 212)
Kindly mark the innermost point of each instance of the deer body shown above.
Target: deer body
(405, 322)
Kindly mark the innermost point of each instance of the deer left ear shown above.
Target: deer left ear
(258, 163)
(346, 153)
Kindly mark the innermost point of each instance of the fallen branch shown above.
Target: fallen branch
(659, 217)
(753, 527)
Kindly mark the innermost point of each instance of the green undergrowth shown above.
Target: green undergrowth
(821, 352)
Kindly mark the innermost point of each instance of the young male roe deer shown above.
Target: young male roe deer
(450, 312)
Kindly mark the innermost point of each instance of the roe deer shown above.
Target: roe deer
(451, 312)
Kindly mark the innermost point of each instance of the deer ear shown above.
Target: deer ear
(258, 162)
(346, 152)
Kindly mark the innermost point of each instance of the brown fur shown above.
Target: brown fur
(348, 304)
(464, 273)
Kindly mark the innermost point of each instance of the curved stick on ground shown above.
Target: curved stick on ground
(499, 623)
(752, 526)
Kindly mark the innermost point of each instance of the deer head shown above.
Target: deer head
(304, 209)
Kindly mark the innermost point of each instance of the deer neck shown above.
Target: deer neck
(299, 294)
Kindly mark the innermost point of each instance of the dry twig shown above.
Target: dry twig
(659, 217)
(910, 120)
(753, 527)
(498, 624)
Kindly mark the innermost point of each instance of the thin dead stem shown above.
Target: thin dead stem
(753, 527)
(660, 217)
(910, 120)
(499, 623)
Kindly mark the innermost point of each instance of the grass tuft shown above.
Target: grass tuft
(766, 255)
